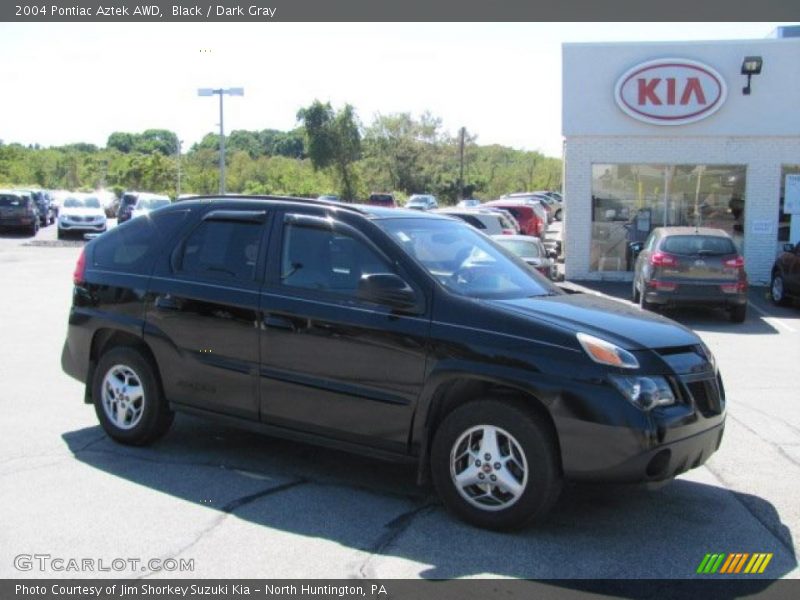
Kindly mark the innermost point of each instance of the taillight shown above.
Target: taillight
(662, 259)
(734, 263)
(80, 269)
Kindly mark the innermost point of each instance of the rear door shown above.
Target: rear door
(202, 313)
(700, 259)
(334, 364)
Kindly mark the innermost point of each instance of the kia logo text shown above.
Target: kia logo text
(670, 91)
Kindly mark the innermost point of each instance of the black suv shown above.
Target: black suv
(400, 334)
(126, 204)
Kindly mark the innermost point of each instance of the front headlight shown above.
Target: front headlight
(606, 353)
(646, 392)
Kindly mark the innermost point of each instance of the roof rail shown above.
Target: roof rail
(314, 201)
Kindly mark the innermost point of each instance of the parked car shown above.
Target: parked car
(554, 201)
(469, 203)
(785, 284)
(530, 221)
(329, 197)
(81, 214)
(532, 251)
(126, 203)
(534, 199)
(690, 266)
(407, 336)
(422, 202)
(382, 200)
(146, 203)
(489, 222)
(45, 212)
(18, 211)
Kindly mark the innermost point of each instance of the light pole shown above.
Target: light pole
(221, 92)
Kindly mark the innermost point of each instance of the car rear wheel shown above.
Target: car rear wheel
(739, 313)
(495, 465)
(558, 215)
(128, 399)
(777, 290)
(644, 304)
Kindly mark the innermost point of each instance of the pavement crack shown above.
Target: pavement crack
(392, 530)
(229, 509)
(770, 443)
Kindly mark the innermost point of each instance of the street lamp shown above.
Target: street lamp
(221, 92)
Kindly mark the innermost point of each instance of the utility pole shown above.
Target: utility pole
(462, 133)
(221, 92)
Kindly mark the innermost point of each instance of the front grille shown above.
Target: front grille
(707, 396)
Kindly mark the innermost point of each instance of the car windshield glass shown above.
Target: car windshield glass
(698, 244)
(73, 203)
(521, 248)
(465, 261)
(91, 202)
(151, 203)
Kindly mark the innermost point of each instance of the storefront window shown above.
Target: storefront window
(629, 201)
(784, 220)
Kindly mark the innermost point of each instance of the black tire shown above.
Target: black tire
(644, 304)
(777, 290)
(34, 228)
(156, 417)
(558, 215)
(60, 234)
(739, 313)
(535, 440)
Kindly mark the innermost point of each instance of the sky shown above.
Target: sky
(79, 82)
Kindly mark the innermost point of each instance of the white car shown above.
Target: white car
(81, 214)
(146, 203)
(422, 202)
(530, 249)
(490, 222)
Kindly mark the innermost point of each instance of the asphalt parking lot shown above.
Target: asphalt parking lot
(242, 505)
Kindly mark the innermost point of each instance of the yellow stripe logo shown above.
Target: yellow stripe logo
(733, 563)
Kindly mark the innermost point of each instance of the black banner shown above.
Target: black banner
(394, 589)
(394, 10)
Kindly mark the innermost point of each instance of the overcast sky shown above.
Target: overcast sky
(71, 82)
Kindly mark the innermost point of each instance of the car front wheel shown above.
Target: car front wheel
(495, 465)
(128, 399)
(777, 291)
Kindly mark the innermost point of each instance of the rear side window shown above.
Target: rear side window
(132, 246)
(226, 250)
(698, 244)
(11, 201)
(474, 221)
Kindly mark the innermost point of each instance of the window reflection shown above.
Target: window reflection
(629, 201)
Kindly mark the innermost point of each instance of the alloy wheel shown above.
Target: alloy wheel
(123, 397)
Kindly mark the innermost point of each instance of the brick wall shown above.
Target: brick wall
(762, 156)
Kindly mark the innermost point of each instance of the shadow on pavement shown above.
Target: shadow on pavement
(624, 532)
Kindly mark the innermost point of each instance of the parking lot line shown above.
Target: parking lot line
(771, 319)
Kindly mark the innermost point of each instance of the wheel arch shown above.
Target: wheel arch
(106, 338)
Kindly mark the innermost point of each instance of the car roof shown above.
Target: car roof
(367, 210)
(519, 238)
(707, 231)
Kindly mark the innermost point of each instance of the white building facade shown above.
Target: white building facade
(664, 134)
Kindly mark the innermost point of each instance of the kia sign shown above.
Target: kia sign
(670, 91)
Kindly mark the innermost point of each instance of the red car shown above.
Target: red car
(529, 222)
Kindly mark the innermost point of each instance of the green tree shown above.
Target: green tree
(333, 140)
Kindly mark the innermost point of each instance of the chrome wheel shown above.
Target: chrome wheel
(123, 397)
(488, 468)
(777, 289)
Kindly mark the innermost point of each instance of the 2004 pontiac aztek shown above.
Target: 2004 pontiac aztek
(401, 334)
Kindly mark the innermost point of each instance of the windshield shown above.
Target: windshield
(465, 261)
(521, 248)
(82, 203)
(151, 203)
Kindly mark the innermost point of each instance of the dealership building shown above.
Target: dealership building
(677, 134)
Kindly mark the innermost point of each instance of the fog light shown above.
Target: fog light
(644, 392)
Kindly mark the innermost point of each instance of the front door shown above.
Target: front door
(332, 363)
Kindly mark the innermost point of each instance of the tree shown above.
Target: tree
(333, 140)
(121, 140)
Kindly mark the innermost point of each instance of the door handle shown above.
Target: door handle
(279, 323)
(167, 302)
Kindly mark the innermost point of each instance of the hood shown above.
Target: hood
(82, 212)
(625, 325)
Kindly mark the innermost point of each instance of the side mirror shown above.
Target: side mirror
(387, 289)
(788, 248)
(636, 247)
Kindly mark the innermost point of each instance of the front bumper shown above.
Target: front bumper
(96, 226)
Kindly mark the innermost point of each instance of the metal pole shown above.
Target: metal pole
(221, 146)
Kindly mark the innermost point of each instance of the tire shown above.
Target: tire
(534, 464)
(777, 290)
(34, 228)
(558, 215)
(644, 304)
(136, 414)
(60, 234)
(739, 313)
